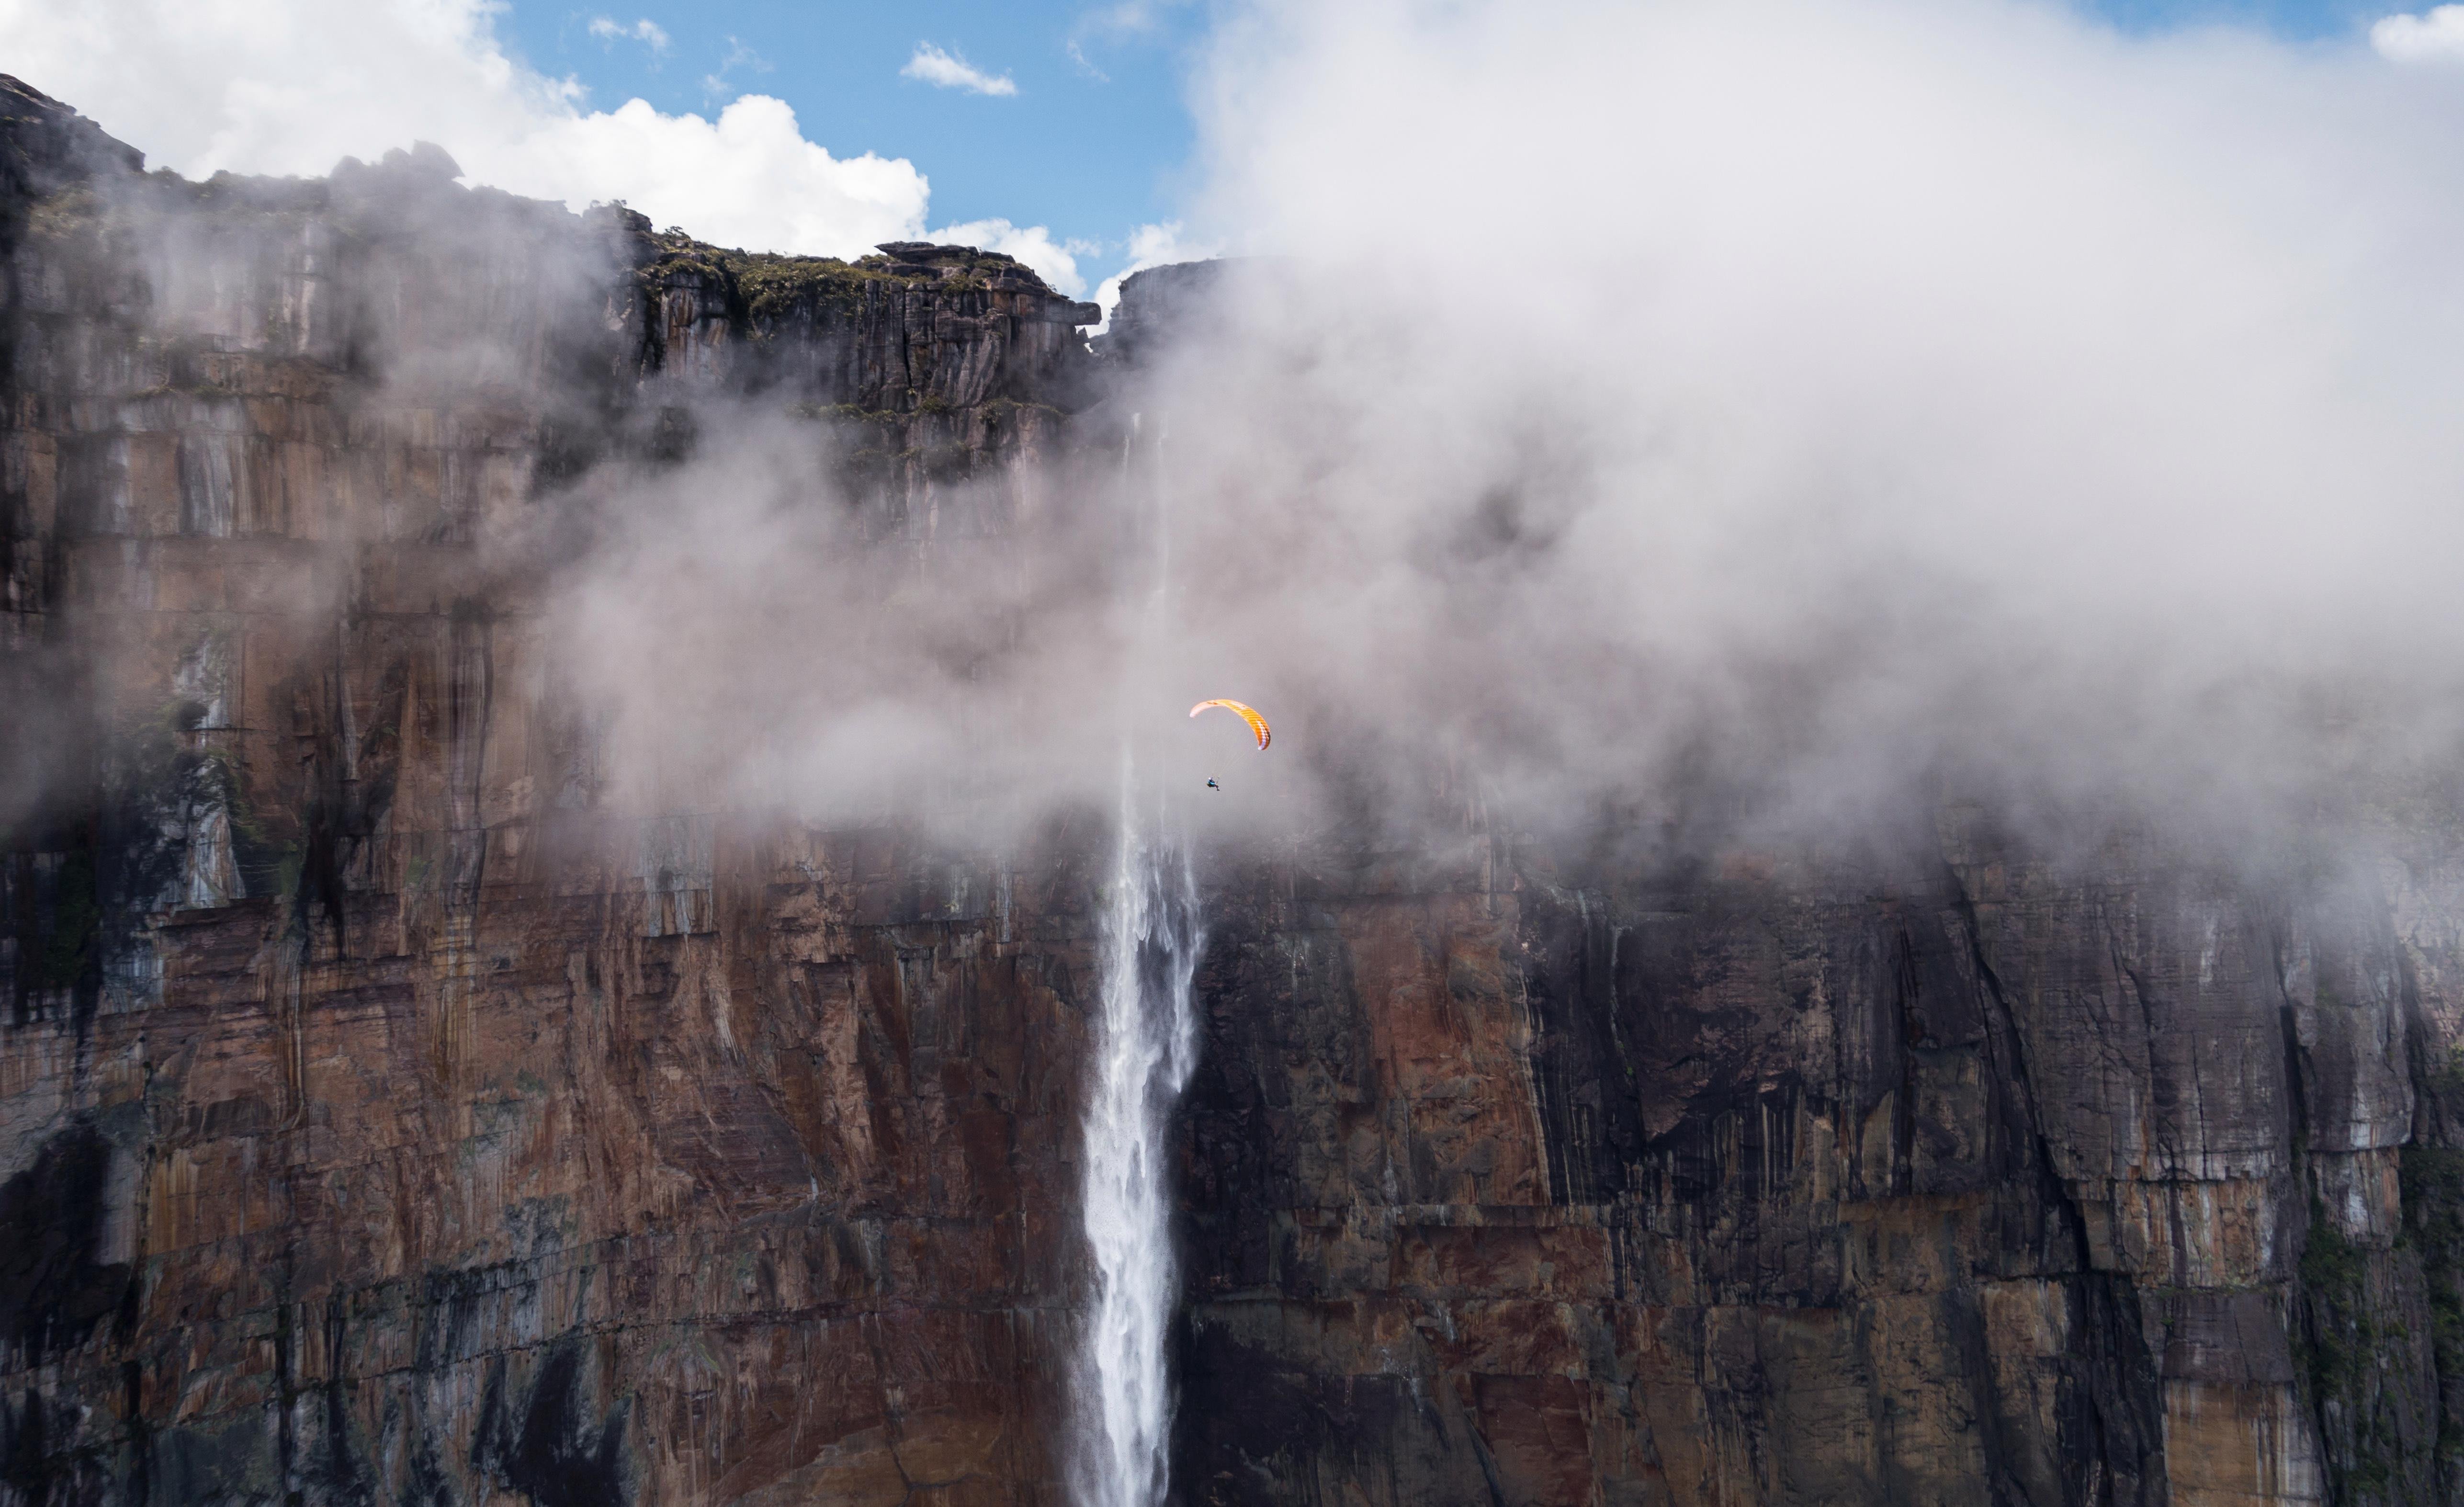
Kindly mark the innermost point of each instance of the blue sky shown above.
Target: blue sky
(2305, 19)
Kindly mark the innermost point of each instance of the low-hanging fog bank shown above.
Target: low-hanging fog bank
(1817, 402)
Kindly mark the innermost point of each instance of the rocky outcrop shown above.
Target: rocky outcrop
(916, 328)
(384, 1119)
(1160, 305)
(46, 146)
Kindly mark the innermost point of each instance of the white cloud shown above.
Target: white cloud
(289, 86)
(949, 71)
(1056, 262)
(2433, 36)
(746, 179)
(646, 30)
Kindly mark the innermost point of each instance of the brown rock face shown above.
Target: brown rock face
(378, 1122)
(1973, 1181)
(383, 1119)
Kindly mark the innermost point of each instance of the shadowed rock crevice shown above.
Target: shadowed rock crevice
(54, 1288)
(548, 1447)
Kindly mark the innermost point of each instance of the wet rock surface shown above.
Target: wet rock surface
(381, 1120)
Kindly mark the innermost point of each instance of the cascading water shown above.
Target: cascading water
(1142, 1059)
(1145, 1043)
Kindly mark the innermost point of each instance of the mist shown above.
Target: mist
(1786, 416)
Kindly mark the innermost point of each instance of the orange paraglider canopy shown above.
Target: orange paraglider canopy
(1247, 714)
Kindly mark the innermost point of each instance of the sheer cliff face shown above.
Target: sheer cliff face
(379, 1120)
(387, 1116)
(1962, 1180)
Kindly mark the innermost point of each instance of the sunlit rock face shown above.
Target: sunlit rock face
(383, 1116)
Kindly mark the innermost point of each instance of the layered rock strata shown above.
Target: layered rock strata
(380, 1119)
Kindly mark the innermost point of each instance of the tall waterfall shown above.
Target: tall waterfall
(1145, 1044)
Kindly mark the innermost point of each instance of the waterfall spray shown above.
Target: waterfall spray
(1145, 1044)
